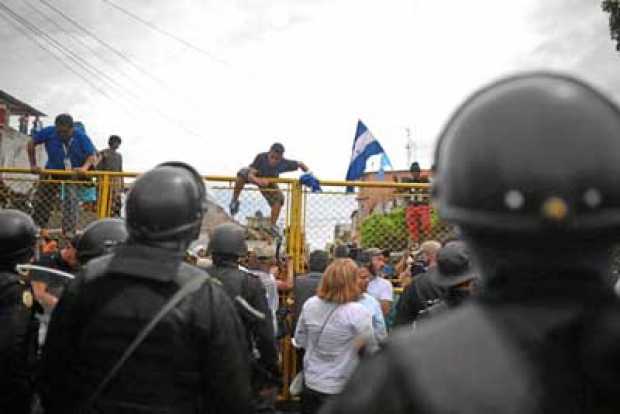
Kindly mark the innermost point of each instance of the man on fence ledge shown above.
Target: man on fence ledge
(67, 148)
(266, 165)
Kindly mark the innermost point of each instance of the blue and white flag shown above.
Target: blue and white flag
(365, 146)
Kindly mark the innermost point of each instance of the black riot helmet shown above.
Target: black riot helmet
(228, 240)
(167, 203)
(18, 238)
(536, 154)
(100, 237)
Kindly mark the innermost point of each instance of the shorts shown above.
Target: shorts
(271, 192)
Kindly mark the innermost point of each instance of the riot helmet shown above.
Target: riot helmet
(18, 237)
(167, 203)
(228, 240)
(100, 237)
(537, 153)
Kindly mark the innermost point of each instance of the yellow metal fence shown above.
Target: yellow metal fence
(376, 214)
(385, 215)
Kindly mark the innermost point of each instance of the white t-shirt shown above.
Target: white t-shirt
(331, 358)
(381, 289)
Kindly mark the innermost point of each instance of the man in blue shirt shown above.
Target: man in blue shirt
(266, 165)
(67, 148)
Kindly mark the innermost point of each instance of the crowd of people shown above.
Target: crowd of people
(517, 314)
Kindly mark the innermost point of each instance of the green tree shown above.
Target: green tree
(385, 231)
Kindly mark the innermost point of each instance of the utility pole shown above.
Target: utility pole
(410, 147)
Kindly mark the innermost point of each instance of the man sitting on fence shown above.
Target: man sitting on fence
(67, 148)
(266, 165)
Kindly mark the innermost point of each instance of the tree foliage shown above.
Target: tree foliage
(385, 231)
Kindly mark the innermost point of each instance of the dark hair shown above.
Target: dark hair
(415, 167)
(114, 138)
(64, 120)
(277, 147)
(318, 261)
(386, 252)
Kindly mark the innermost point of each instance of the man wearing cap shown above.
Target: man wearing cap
(266, 165)
(418, 211)
(265, 257)
(454, 275)
(378, 287)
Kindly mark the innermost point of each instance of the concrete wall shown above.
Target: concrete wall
(14, 154)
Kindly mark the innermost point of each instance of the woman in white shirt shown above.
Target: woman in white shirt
(331, 329)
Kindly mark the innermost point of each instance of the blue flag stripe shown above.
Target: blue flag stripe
(358, 165)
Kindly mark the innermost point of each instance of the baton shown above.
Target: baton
(22, 269)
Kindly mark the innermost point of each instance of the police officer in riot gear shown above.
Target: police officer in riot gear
(528, 169)
(101, 237)
(226, 246)
(18, 325)
(193, 360)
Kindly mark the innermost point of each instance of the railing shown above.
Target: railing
(380, 214)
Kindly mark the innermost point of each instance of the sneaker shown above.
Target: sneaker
(234, 207)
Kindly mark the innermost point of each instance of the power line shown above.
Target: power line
(77, 40)
(91, 70)
(105, 44)
(125, 58)
(72, 56)
(17, 25)
(166, 33)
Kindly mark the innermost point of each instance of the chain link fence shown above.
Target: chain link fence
(59, 203)
(388, 218)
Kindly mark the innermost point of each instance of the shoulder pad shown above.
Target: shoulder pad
(189, 271)
(248, 272)
(97, 267)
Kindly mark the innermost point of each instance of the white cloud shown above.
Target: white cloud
(303, 72)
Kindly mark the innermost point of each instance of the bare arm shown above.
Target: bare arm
(385, 307)
(47, 300)
(90, 161)
(32, 155)
(287, 284)
(257, 180)
(303, 166)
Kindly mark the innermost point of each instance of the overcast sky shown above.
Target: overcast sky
(299, 71)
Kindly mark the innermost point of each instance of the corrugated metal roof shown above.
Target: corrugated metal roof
(17, 107)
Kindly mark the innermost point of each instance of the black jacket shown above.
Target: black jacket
(18, 344)
(305, 288)
(194, 361)
(237, 282)
(552, 349)
(414, 299)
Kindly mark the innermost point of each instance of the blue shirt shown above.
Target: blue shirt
(80, 148)
(378, 321)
